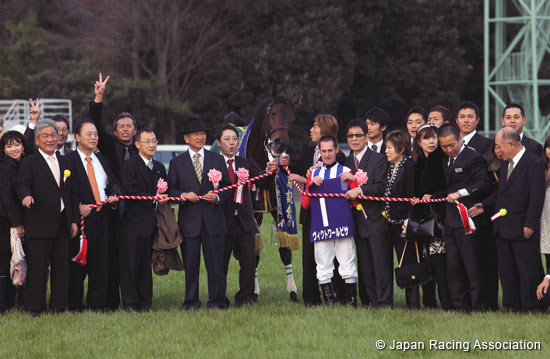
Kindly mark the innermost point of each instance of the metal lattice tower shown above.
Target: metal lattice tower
(520, 31)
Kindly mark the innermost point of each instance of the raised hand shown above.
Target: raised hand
(99, 87)
(34, 110)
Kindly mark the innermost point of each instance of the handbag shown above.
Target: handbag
(429, 227)
(414, 273)
(18, 264)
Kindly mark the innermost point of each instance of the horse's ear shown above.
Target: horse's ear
(274, 91)
(297, 100)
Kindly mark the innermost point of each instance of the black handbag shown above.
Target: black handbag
(414, 273)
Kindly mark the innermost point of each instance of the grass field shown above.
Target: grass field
(274, 328)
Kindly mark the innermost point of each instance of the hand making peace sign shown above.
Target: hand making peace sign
(34, 110)
(99, 88)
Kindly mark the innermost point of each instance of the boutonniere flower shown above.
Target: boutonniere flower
(242, 175)
(66, 174)
(501, 213)
(215, 177)
(162, 186)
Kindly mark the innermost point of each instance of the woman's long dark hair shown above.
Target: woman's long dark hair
(10, 137)
(493, 163)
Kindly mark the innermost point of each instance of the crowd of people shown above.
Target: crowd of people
(447, 257)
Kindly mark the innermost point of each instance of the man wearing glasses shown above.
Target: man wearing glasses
(373, 251)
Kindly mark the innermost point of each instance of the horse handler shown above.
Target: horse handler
(332, 227)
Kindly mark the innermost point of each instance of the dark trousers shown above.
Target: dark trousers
(310, 284)
(101, 267)
(136, 277)
(41, 253)
(520, 270)
(7, 290)
(393, 234)
(438, 264)
(463, 271)
(213, 252)
(243, 244)
(489, 265)
(374, 264)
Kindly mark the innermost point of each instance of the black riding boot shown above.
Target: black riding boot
(3, 294)
(328, 293)
(351, 294)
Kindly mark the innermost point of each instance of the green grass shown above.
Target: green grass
(274, 328)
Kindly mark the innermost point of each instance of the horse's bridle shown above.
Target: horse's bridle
(268, 143)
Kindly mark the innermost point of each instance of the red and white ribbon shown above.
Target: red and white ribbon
(469, 225)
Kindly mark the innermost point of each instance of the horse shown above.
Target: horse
(269, 138)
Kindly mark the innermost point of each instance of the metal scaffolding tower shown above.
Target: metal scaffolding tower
(520, 34)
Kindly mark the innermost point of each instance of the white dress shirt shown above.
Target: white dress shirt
(466, 139)
(99, 172)
(201, 158)
(378, 145)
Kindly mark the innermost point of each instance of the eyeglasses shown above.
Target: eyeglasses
(356, 135)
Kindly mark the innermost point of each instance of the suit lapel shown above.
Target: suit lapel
(145, 171)
(365, 159)
(522, 162)
(82, 174)
(46, 167)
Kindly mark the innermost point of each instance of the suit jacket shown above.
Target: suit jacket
(35, 179)
(522, 195)
(403, 187)
(10, 206)
(301, 165)
(84, 189)
(109, 146)
(532, 146)
(375, 165)
(469, 171)
(182, 178)
(244, 210)
(137, 179)
(480, 143)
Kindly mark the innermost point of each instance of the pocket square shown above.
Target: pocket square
(458, 170)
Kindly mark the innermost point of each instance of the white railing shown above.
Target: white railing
(16, 112)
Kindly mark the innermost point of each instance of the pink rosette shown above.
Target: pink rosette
(361, 178)
(318, 164)
(162, 186)
(242, 175)
(215, 177)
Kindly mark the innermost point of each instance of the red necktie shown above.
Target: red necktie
(231, 171)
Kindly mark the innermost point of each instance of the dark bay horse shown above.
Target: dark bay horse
(269, 138)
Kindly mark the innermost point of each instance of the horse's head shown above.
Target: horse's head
(279, 116)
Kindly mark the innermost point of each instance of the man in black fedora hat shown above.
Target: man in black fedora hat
(201, 221)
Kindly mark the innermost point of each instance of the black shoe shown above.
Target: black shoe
(328, 293)
(351, 295)
(255, 297)
(294, 297)
(191, 307)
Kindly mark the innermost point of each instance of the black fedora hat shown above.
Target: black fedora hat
(194, 124)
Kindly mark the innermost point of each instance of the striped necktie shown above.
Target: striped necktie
(197, 165)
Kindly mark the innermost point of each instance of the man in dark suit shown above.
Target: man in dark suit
(373, 250)
(139, 176)
(239, 217)
(94, 182)
(44, 185)
(467, 119)
(467, 182)
(514, 116)
(521, 193)
(119, 147)
(377, 122)
(201, 221)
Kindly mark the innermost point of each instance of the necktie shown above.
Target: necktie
(126, 153)
(58, 153)
(93, 182)
(231, 171)
(56, 175)
(451, 161)
(316, 155)
(374, 147)
(510, 169)
(150, 165)
(197, 165)
(356, 162)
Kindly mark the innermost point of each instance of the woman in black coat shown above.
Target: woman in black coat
(322, 125)
(429, 178)
(11, 212)
(400, 183)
